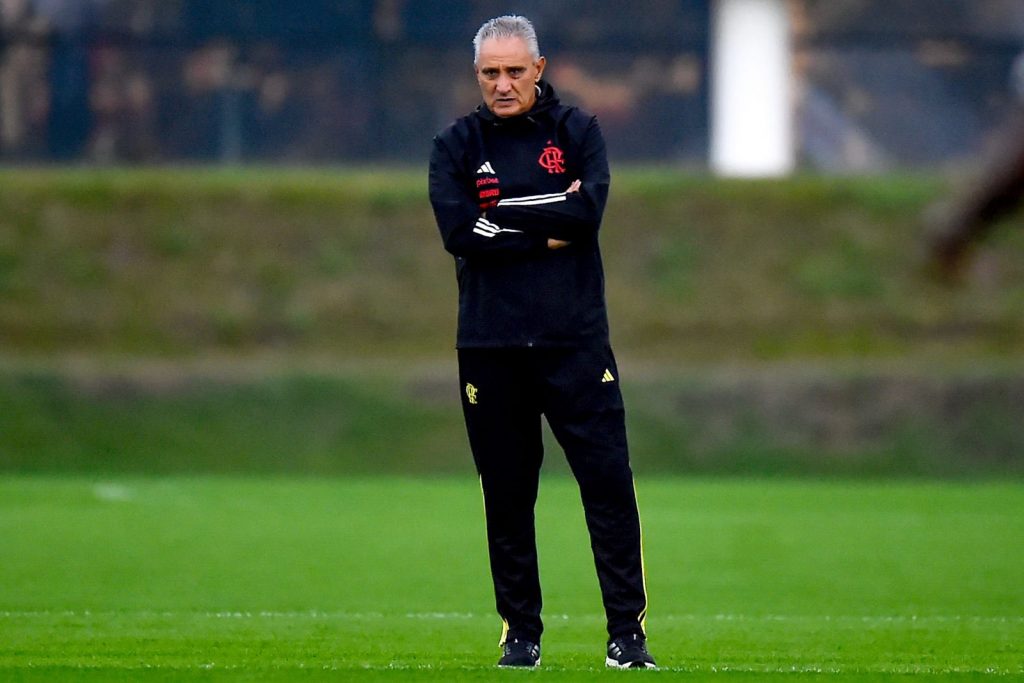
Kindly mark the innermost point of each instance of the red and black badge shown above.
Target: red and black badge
(552, 158)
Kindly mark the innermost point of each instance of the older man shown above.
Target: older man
(518, 189)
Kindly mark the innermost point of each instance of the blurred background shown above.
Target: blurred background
(217, 255)
(876, 84)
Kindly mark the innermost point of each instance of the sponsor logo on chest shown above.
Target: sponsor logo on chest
(487, 184)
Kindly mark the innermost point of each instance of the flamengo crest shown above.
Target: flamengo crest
(552, 159)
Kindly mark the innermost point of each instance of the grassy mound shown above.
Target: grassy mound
(179, 262)
(774, 421)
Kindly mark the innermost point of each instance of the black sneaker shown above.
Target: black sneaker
(519, 652)
(629, 652)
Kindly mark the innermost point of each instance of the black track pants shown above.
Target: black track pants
(504, 394)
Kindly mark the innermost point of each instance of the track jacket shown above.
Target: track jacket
(498, 189)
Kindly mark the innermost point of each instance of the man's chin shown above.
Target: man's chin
(506, 109)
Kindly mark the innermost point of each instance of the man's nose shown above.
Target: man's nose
(504, 84)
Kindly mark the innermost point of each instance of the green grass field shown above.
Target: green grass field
(386, 579)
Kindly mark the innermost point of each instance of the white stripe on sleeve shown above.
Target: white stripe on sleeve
(534, 200)
(488, 229)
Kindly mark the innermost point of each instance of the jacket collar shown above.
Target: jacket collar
(546, 100)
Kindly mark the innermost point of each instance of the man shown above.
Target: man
(518, 189)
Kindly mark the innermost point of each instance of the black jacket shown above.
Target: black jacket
(498, 189)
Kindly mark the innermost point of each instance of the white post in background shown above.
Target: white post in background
(751, 88)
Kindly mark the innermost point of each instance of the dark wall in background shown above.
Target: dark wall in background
(880, 83)
(325, 80)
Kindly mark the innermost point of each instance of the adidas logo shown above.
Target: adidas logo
(608, 377)
(486, 168)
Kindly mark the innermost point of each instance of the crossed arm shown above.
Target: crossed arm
(558, 244)
(518, 225)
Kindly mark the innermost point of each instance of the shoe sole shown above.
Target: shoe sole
(520, 666)
(611, 663)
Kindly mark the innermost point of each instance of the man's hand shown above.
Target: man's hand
(558, 244)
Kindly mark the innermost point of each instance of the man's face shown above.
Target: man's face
(507, 75)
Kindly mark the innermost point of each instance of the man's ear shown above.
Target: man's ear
(541, 63)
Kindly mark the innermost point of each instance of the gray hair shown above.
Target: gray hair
(508, 26)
